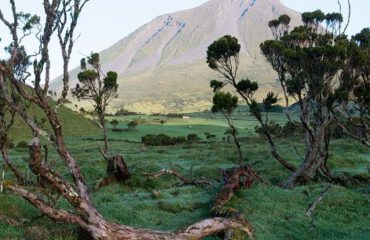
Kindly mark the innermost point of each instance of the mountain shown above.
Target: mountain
(162, 65)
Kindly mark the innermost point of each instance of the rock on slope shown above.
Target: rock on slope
(162, 66)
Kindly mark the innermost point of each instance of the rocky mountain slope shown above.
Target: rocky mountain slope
(162, 66)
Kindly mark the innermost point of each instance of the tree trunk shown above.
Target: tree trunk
(117, 171)
(103, 230)
(315, 159)
(9, 164)
(105, 133)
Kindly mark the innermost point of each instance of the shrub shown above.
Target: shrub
(178, 140)
(124, 112)
(193, 138)
(210, 137)
(114, 123)
(161, 140)
(9, 144)
(289, 129)
(132, 124)
(22, 144)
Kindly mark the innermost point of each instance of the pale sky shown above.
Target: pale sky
(104, 22)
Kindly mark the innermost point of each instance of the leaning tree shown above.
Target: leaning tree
(225, 103)
(61, 17)
(318, 67)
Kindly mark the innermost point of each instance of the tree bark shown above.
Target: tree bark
(315, 159)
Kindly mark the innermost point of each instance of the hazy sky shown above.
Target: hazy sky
(104, 22)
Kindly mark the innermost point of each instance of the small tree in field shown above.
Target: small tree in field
(132, 124)
(97, 88)
(225, 103)
(114, 123)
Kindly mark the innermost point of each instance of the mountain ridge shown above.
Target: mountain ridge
(162, 65)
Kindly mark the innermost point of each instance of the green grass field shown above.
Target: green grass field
(275, 213)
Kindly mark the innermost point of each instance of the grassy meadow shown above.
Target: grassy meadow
(274, 213)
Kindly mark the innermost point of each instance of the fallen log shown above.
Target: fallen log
(234, 179)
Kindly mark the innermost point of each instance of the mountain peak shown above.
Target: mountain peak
(162, 66)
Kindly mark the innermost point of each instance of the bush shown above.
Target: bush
(161, 140)
(124, 112)
(178, 140)
(289, 129)
(132, 124)
(9, 144)
(193, 138)
(22, 144)
(210, 137)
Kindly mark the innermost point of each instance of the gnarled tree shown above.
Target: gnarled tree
(324, 72)
(75, 192)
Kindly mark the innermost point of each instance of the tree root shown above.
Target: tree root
(117, 171)
(234, 179)
(313, 206)
(184, 180)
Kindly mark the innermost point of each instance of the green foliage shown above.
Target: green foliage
(110, 81)
(161, 140)
(315, 17)
(289, 129)
(247, 86)
(216, 85)
(221, 50)
(193, 138)
(270, 100)
(132, 124)
(224, 102)
(22, 144)
(114, 123)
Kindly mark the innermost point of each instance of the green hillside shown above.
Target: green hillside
(73, 124)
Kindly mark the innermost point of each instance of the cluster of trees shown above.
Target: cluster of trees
(326, 73)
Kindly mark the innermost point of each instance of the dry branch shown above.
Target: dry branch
(313, 206)
(185, 180)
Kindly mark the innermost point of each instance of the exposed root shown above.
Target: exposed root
(117, 171)
(313, 206)
(184, 180)
(234, 179)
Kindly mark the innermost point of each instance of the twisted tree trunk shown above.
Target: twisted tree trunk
(315, 159)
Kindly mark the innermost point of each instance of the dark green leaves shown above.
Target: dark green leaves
(87, 75)
(270, 100)
(363, 38)
(110, 81)
(94, 59)
(221, 50)
(216, 85)
(247, 86)
(224, 102)
(315, 17)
